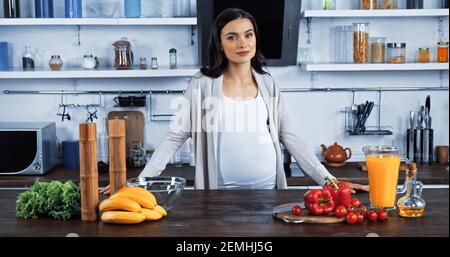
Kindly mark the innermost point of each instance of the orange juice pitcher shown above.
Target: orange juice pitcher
(383, 164)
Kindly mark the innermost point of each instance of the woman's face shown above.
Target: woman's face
(239, 41)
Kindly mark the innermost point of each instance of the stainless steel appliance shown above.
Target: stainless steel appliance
(27, 148)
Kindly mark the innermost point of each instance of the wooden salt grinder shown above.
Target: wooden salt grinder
(88, 171)
(117, 154)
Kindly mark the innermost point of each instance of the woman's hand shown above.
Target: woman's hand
(106, 190)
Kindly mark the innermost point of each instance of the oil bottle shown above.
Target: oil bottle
(411, 205)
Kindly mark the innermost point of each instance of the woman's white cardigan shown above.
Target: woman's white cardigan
(198, 119)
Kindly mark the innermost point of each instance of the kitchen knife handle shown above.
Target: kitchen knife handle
(421, 146)
(415, 146)
(408, 141)
(430, 148)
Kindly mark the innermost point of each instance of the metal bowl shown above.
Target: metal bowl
(167, 190)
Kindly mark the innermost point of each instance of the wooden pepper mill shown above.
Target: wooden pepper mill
(117, 154)
(88, 171)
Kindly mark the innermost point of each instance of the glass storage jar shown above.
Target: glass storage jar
(154, 64)
(361, 42)
(343, 44)
(369, 4)
(442, 52)
(329, 4)
(388, 4)
(377, 49)
(396, 53)
(423, 56)
(143, 63)
(55, 63)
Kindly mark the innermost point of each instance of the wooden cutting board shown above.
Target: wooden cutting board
(305, 217)
(134, 127)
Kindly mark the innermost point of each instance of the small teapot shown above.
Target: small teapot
(336, 153)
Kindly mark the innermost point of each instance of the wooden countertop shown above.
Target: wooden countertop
(226, 213)
(434, 174)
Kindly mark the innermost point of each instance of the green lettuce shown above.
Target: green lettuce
(55, 199)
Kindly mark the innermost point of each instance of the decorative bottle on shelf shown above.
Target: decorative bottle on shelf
(412, 205)
(43, 8)
(28, 58)
(132, 8)
(74, 8)
(11, 8)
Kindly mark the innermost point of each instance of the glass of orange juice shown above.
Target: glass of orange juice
(383, 164)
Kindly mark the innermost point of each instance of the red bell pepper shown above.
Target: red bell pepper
(319, 202)
(340, 192)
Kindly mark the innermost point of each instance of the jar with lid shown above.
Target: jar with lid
(423, 56)
(123, 55)
(377, 49)
(88, 62)
(369, 4)
(173, 58)
(28, 59)
(143, 63)
(329, 4)
(388, 4)
(442, 52)
(396, 53)
(55, 63)
(361, 42)
(154, 64)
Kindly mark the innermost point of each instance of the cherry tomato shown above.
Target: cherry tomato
(351, 218)
(363, 210)
(360, 217)
(296, 210)
(341, 211)
(382, 215)
(372, 215)
(355, 202)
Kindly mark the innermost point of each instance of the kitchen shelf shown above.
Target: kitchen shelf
(184, 71)
(375, 13)
(98, 21)
(375, 67)
(372, 131)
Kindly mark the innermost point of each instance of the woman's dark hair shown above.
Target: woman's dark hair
(217, 59)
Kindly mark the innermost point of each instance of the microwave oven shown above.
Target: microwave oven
(27, 148)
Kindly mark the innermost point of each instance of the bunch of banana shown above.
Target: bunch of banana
(131, 205)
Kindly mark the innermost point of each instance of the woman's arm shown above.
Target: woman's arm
(180, 131)
(298, 147)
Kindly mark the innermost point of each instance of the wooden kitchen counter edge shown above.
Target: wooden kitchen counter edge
(436, 174)
(228, 213)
